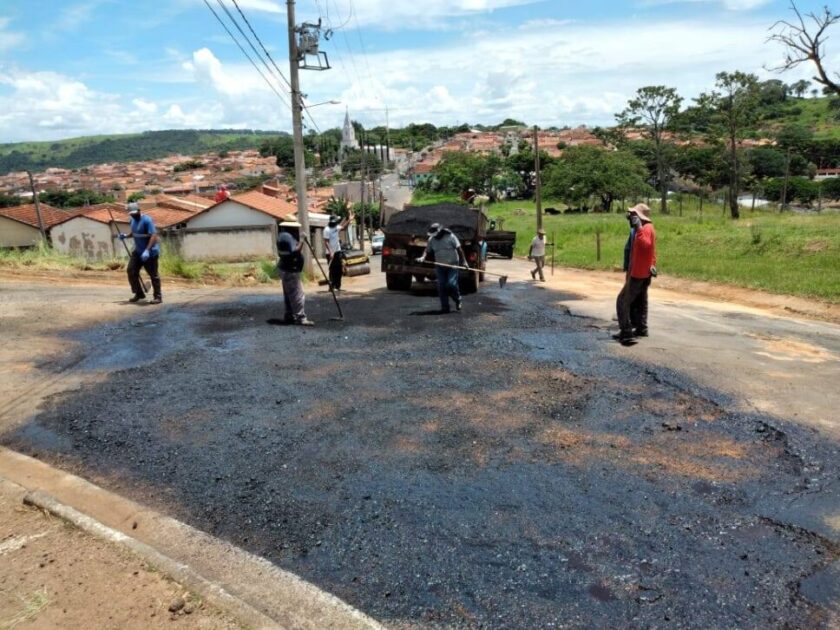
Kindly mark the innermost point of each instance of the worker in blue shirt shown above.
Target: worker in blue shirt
(145, 255)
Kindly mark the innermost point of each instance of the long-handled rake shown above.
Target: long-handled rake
(326, 277)
(502, 278)
(128, 253)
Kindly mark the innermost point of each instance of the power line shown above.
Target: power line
(268, 55)
(244, 52)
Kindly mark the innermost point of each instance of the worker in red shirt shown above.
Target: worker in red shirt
(632, 302)
(222, 194)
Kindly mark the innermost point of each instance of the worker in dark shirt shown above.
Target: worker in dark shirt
(290, 267)
(146, 253)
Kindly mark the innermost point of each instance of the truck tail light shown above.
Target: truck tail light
(386, 251)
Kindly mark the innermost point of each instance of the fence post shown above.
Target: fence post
(553, 249)
(598, 246)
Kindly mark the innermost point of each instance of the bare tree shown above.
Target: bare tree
(804, 40)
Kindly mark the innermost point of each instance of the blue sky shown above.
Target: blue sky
(108, 66)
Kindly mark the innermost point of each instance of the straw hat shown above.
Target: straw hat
(642, 211)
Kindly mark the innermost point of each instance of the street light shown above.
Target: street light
(324, 103)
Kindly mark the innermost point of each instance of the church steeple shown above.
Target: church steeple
(348, 134)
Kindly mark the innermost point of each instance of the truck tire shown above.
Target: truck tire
(470, 284)
(398, 281)
(509, 253)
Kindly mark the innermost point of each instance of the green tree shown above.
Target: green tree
(587, 171)
(734, 108)
(136, 196)
(8, 201)
(654, 108)
(357, 161)
(457, 172)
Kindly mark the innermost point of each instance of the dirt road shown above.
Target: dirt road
(504, 467)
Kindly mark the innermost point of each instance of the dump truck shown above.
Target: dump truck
(499, 241)
(406, 237)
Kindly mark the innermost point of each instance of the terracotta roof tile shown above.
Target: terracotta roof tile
(28, 215)
(278, 208)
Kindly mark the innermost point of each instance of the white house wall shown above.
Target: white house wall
(230, 214)
(242, 244)
(17, 234)
(85, 237)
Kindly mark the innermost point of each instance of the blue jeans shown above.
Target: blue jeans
(447, 284)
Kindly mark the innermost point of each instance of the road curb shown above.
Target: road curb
(183, 574)
(278, 597)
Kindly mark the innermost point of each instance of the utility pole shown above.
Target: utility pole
(538, 189)
(297, 128)
(785, 185)
(363, 176)
(37, 206)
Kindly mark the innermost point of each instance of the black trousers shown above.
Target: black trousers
(632, 305)
(335, 269)
(151, 267)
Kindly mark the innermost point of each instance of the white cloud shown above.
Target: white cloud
(8, 39)
(732, 5)
(267, 6)
(547, 74)
(144, 106)
(400, 14)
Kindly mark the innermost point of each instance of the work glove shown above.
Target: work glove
(145, 255)
(122, 236)
(420, 260)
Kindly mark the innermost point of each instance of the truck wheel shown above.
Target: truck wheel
(470, 284)
(398, 281)
(510, 252)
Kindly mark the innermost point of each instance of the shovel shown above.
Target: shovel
(502, 279)
(340, 317)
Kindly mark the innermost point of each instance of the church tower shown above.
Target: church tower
(348, 135)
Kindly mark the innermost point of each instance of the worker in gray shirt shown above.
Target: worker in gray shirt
(447, 250)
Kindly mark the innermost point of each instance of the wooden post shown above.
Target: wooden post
(681, 200)
(37, 203)
(538, 183)
(553, 249)
(598, 246)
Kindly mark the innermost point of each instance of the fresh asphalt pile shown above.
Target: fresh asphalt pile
(497, 468)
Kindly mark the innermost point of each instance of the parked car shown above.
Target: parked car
(376, 243)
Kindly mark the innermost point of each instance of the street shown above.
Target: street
(509, 466)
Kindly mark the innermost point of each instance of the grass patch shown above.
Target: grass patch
(788, 253)
(31, 605)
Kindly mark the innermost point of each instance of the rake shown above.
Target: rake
(502, 278)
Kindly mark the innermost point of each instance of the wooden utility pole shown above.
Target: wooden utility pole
(538, 182)
(364, 178)
(297, 128)
(37, 206)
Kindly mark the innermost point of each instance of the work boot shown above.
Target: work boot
(304, 322)
(458, 305)
(623, 336)
(640, 332)
(533, 275)
(136, 298)
(157, 300)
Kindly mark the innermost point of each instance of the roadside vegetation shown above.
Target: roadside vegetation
(45, 259)
(787, 253)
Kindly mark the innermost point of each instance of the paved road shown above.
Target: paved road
(395, 194)
(786, 367)
(509, 466)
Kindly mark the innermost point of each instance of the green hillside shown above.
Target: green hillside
(820, 115)
(80, 152)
